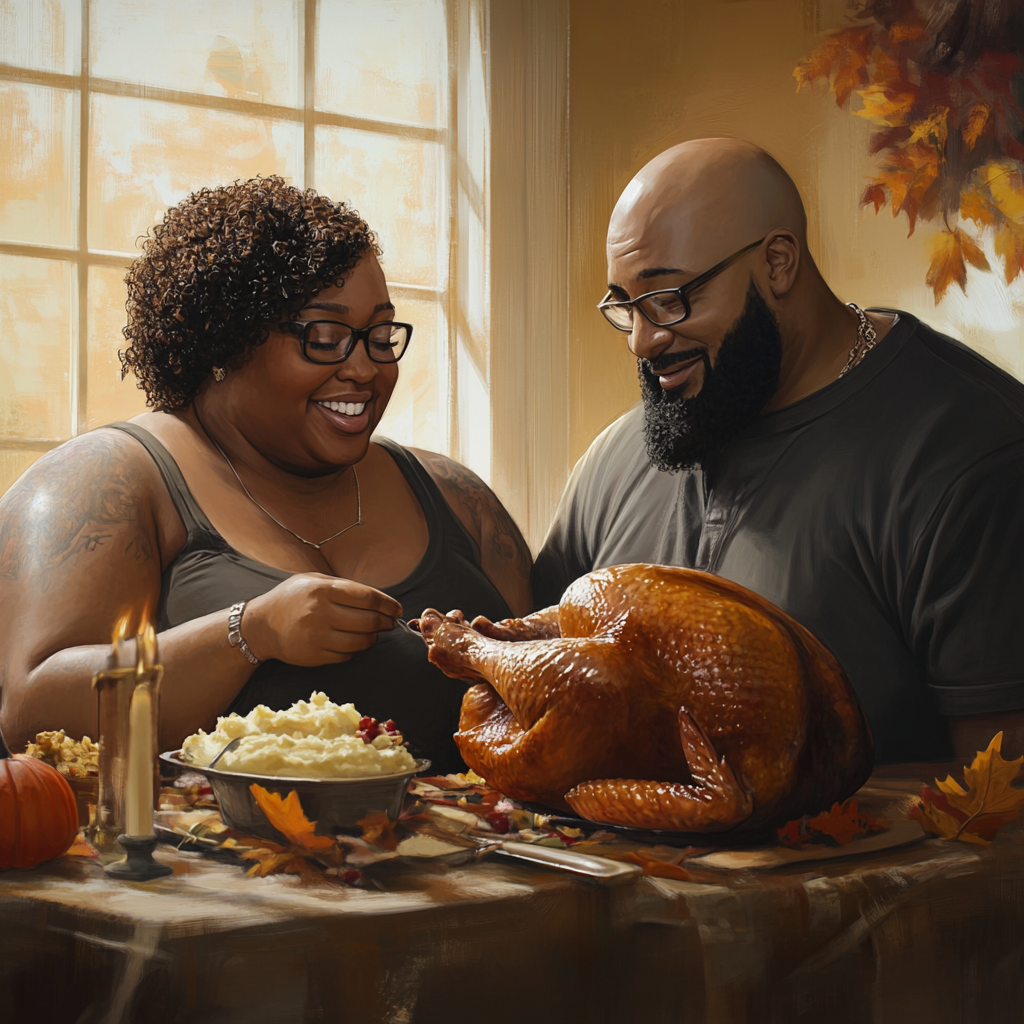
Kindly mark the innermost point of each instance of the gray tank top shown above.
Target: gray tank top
(393, 679)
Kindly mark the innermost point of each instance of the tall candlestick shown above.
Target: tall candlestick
(138, 810)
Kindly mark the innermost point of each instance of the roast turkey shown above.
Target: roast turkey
(658, 698)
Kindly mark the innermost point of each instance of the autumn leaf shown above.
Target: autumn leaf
(885, 67)
(932, 128)
(81, 848)
(653, 866)
(842, 59)
(276, 862)
(379, 830)
(975, 206)
(976, 121)
(909, 28)
(874, 195)
(1006, 186)
(1010, 248)
(287, 817)
(884, 105)
(949, 253)
(841, 824)
(973, 814)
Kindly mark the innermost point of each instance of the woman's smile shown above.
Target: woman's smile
(350, 417)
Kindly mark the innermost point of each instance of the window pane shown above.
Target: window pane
(245, 49)
(383, 59)
(35, 347)
(147, 156)
(417, 414)
(44, 35)
(395, 185)
(108, 398)
(38, 164)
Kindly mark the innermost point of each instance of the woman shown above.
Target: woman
(260, 328)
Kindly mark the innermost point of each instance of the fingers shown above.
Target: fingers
(348, 594)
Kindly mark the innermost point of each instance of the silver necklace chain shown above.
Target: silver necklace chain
(867, 339)
(270, 515)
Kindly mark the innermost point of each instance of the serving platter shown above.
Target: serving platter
(336, 805)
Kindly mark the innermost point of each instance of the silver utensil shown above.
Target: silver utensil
(408, 629)
(598, 869)
(227, 747)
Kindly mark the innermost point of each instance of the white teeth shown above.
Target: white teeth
(346, 408)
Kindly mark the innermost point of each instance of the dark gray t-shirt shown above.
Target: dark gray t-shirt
(884, 512)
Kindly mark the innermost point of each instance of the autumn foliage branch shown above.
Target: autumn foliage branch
(950, 128)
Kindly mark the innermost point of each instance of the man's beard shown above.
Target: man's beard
(682, 432)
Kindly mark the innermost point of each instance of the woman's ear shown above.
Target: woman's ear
(783, 258)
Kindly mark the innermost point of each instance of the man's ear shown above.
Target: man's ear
(782, 255)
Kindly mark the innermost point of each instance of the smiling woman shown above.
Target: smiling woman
(278, 543)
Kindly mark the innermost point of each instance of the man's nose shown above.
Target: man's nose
(647, 340)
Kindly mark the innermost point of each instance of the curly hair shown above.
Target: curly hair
(224, 264)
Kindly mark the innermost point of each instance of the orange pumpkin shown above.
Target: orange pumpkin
(38, 815)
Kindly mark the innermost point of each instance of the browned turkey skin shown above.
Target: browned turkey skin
(658, 698)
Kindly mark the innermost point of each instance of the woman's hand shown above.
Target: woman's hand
(313, 619)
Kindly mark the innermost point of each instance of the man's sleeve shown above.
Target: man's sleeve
(964, 594)
(565, 555)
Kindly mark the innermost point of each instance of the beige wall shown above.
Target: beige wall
(647, 74)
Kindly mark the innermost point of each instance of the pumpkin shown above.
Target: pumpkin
(38, 815)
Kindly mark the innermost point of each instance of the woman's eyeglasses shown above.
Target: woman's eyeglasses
(329, 341)
(665, 307)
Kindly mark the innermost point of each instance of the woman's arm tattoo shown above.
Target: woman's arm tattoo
(493, 527)
(75, 501)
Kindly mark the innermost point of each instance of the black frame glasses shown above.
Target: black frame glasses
(609, 307)
(379, 350)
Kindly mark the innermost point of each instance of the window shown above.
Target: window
(113, 110)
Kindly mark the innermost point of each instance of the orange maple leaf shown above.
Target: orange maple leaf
(842, 822)
(976, 813)
(286, 815)
(842, 59)
(1010, 247)
(949, 253)
(276, 862)
(976, 121)
(975, 206)
(80, 848)
(1005, 183)
(379, 830)
(887, 105)
(874, 195)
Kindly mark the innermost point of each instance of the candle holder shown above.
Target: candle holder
(115, 687)
(138, 864)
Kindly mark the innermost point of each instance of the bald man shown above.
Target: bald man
(861, 471)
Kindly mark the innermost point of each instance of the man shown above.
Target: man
(861, 471)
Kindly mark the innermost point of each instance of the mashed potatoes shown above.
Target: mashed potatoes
(311, 739)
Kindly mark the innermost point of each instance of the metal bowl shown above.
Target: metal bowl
(336, 805)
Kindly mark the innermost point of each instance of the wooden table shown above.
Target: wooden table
(932, 932)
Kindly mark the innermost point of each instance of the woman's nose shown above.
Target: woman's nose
(359, 366)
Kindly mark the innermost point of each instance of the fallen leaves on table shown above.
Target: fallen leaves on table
(836, 827)
(379, 830)
(974, 814)
(306, 851)
(656, 867)
(81, 848)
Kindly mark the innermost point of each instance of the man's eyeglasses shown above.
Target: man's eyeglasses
(665, 307)
(329, 341)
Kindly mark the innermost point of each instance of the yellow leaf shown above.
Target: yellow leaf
(974, 206)
(976, 121)
(287, 817)
(1006, 186)
(884, 106)
(988, 779)
(946, 264)
(972, 253)
(1010, 248)
(935, 820)
(269, 862)
(933, 127)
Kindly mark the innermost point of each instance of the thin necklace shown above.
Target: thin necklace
(867, 338)
(270, 515)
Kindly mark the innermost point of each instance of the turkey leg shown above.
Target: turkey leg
(713, 801)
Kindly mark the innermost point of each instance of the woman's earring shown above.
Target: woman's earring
(219, 373)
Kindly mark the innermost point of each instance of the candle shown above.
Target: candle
(138, 809)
